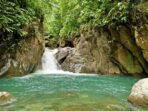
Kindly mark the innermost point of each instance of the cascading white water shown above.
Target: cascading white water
(49, 63)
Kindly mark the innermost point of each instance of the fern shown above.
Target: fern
(14, 14)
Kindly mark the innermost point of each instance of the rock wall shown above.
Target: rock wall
(20, 56)
(113, 49)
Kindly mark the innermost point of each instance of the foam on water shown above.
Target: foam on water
(49, 62)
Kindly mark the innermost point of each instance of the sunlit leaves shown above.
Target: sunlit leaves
(62, 18)
(12, 16)
(70, 14)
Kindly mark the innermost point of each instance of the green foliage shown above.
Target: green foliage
(63, 18)
(16, 13)
(103, 12)
(39, 6)
(12, 16)
(68, 15)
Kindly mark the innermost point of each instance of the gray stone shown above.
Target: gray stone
(139, 93)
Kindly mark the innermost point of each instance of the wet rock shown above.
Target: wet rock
(62, 54)
(73, 62)
(4, 96)
(139, 93)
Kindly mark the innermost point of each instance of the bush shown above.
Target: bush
(14, 14)
(63, 18)
(67, 16)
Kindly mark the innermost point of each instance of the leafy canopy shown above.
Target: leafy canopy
(63, 18)
(16, 13)
(66, 16)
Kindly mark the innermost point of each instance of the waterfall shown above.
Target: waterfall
(49, 63)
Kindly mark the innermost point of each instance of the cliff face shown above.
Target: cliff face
(113, 49)
(20, 56)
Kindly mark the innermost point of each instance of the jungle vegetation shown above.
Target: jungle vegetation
(62, 18)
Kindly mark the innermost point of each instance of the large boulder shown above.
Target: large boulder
(62, 54)
(139, 93)
(21, 55)
(73, 62)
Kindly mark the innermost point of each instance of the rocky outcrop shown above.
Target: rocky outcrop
(62, 54)
(141, 28)
(139, 93)
(125, 52)
(113, 49)
(4, 96)
(91, 54)
(21, 55)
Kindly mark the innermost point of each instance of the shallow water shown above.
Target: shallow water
(56, 92)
